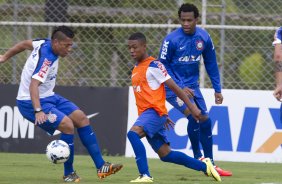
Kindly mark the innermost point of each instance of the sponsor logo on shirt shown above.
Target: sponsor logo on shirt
(164, 50)
(189, 58)
(44, 68)
(161, 67)
(137, 89)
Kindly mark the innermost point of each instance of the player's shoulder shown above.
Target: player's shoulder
(174, 34)
(41, 40)
(202, 32)
(156, 64)
(41, 43)
(44, 46)
(278, 31)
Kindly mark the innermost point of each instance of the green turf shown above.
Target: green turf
(36, 169)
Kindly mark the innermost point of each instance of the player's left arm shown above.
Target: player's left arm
(19, 47)
(211, 66)
(159, 72)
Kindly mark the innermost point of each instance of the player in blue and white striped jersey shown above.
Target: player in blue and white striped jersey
(181, 52)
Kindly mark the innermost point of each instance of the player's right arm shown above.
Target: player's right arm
(277, 57)
(40, 117)
(19, 47)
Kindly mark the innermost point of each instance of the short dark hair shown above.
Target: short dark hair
(138, 36)
(61, 32)
(187, 7)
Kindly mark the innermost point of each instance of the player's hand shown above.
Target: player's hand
(169, 124)
(278, 93)
(189, 92)
(196, 113)
(40, 118)
(218, 98)
(2, 59)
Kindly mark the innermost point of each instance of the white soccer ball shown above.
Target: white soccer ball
(58, 151)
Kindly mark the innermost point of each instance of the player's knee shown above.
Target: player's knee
(66, 126)
(138, 130)
(79, 119)
(166, 157)
(164, 151)
(206, 126)
(84, 121)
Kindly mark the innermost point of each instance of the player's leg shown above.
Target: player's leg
(193, 128)
(67, 129)
(206, 132)
(161, 146)
(134, 135)
(205, 125)
(88, 138)
(56, 120)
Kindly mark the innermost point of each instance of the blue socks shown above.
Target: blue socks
(88, 139)
(140, 152)
(180, 158)
(193, 130)
(68, 165)
(206, 138)
(200, 132)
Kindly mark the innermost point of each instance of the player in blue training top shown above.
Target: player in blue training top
(181, 52)
(39, 104)
(277, 57)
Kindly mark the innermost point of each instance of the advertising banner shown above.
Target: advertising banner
(246, 127)
(106, 107)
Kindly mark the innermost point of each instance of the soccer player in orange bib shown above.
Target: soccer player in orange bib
(148, 78)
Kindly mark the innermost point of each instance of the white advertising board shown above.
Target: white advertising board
(246, 127)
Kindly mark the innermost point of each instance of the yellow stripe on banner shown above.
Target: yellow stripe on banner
(271, 144)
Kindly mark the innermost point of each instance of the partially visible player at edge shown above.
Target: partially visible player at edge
(39, 104)
(148, 78)
(277, 57)
(181, 53)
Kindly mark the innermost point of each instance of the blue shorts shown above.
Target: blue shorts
(198, 99)
(153, 126)
(55, 107)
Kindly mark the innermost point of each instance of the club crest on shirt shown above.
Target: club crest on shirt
(199, 45)
(179, 102)
(52, 117)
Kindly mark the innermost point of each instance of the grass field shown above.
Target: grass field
(36, 169)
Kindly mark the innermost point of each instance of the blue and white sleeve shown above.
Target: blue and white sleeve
(42, 66)
(277, 36)
(158, 70)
